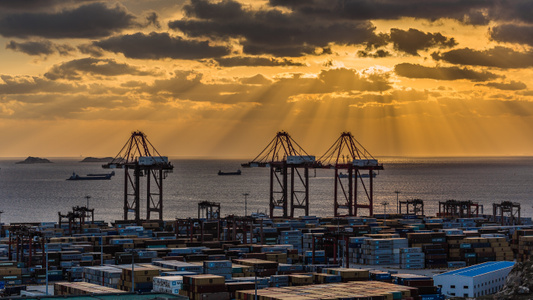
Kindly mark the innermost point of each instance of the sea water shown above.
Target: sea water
(37, 192)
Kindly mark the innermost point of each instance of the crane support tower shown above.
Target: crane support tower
(139, 158)
(459, 209)
(289, 174)
(507, 213)
(412, 207)
(348, 154)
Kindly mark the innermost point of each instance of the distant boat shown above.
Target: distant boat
(361, 175)
(91, 176)
(238, 172)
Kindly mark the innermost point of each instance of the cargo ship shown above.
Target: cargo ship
(238, 172)
(107, 176)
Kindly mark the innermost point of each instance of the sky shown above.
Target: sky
(220, 78)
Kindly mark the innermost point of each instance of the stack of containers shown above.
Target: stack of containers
(307, 240)
(300, 279)
(454, 238)
(179, 266)
(412, 258)
(522, 244)
(270, 235)
(168, 284)
(279, 280)
(319, 257)
(481, 247)
(142, 277)
(321, 278)
(218, 267)
(354, 249)
(436, 256)
(105, 275)
(204, 286)
(397, 245)
(502, 248)
(82, 288)
(377, 252)
(424, 284)
(263, 267)
(291, 237)
(348, 274)
(10, 273)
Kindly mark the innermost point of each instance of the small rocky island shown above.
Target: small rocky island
(97, 159)
(34, 160)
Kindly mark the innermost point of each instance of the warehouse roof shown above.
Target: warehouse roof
(480, 269)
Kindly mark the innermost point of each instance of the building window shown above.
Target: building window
(452, 287)
(465, 287)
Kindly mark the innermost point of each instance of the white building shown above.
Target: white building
(474, 281)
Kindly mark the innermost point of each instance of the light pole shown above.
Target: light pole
(385, 203)
(397, 202)
(246, 203)
(46, 265)
(87, 197)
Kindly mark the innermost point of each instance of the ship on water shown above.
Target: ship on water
(106, 176)
(238, 172)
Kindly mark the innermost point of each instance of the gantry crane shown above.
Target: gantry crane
(141, 157)
(285, 158)
(348, 154)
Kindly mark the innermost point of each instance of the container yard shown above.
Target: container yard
(311, 257)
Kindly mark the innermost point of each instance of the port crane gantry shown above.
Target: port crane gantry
(138, 157)
(285, 158)
(348, 154)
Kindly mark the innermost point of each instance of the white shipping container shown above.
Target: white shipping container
(152, 160)
(365, 162)
(291, 160)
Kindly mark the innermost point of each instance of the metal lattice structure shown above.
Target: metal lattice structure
(26, 241)
(289, 174)
(209, 210)
(348, 154)
(459, 209)
(139, 158)
(76, 218)
(412, 207)
(507, 212)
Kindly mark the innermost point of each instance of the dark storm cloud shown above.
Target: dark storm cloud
(88, 21)
(153, 19)
(256, 62)
(442, 73)
(43, 47)
(413, 40)
(513, 10)
(35, 5)
(499, 57)
(160, 45)
(465, 11)
(75, 69)
(511, 86)
(269, 31)
(377, 54)
(91, 50)
(511, 33)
